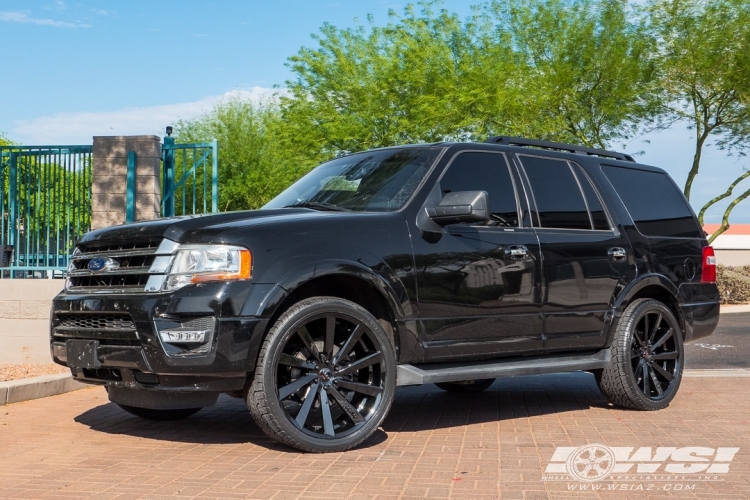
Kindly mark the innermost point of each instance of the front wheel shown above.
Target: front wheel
(647, 358)
(325, 377)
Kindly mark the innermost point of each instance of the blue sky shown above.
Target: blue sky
(72, 70)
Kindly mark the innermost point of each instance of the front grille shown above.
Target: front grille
(98, 247)
(120, 267)
(135, 261)
(96, 321)
(111, 281)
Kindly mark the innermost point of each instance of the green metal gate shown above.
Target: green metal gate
(190, 178)
(45, 206)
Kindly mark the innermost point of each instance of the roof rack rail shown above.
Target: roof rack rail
(558, 146)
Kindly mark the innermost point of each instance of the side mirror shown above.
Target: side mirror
(461, 206)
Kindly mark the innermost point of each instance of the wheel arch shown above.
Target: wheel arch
(347, 280)
(649, 286)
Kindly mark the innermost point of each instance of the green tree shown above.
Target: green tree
(578, 71)
(704, 61)
(585, 68)
(256, 161)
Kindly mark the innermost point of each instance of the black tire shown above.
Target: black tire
(466, 386)
(151, 414)
(647, 358)
(325, 377)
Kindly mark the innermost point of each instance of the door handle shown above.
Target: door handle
(517, 252)
(617, 253)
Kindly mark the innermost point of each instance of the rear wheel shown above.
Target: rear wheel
(466, 385)
(325, 377)
(152, 414)
(647, 358)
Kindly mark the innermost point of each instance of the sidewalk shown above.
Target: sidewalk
(496, 444)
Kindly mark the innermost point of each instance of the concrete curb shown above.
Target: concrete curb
(731, 308)
(26, 389)
(708, 373)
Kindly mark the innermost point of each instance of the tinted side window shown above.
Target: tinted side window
(598, 217)
(654, 202)
(484, 172)
(558, 197)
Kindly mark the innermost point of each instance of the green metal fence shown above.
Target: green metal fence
(190, 178)
(45, 199)
(45, 206)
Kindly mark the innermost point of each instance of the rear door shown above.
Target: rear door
(585, 257)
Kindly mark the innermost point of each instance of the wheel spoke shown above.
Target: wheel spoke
(345, 405)
(286, 359)
(309, 400)
(330, 332)
(361, 363)
(370, 390)
(637, 334)
(638, 367)
(326, 410)
(308, 341)
(663, 339)
(295, 386)
(349, 344)
(656, 327)
(646, 383)
(664, 373)
(655, 380)
(665, 355)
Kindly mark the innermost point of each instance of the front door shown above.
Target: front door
(478, 285)
(585, 256)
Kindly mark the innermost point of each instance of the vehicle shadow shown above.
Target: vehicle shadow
(414, 409)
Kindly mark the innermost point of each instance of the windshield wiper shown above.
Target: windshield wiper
(318, 206)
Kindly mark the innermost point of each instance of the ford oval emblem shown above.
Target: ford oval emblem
(102, 264)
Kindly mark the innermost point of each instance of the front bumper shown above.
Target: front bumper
(138, 359)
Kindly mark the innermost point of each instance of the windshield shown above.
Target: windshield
(374, 181)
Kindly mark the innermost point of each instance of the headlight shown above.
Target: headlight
(201, 263)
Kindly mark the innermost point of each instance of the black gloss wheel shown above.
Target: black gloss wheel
(654, 358)
(325, 377)
(647, 358)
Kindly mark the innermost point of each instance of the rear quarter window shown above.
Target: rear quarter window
(654, 202)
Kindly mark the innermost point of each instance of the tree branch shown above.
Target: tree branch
(727, 194)
(725, 220)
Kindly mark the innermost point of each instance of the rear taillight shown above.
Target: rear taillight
(708, 266)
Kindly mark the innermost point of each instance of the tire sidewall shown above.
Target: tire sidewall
(283, 330)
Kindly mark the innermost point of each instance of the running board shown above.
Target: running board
(431, 373)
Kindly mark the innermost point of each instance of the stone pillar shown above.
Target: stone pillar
(109, 179)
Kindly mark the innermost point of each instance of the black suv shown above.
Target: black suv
(448, 263)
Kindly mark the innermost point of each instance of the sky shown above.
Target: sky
(72, 70)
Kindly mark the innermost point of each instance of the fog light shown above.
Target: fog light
(193, 331)
(184, 336)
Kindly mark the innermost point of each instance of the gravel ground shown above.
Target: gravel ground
(15, 372)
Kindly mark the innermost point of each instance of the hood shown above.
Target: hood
(195, 228)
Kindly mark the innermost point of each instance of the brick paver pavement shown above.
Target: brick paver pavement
(496, 444)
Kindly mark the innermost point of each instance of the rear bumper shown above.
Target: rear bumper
(700, 318)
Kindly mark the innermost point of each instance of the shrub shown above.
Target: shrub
(734, 284)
